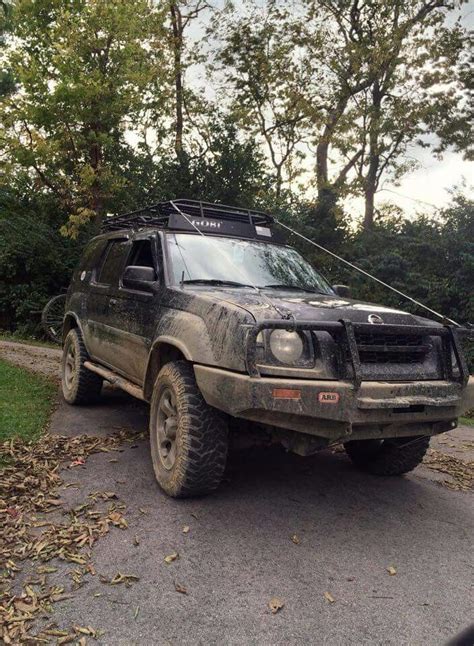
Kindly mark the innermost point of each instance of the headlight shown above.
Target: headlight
(286, 346)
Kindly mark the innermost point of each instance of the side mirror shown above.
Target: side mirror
(140, 278)
(342, 290)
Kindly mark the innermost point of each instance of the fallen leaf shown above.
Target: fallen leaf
(91, 569)
(118, 520)
(275, 605)
(136, 541)
(12, 511)
(77, 463)
(186, 529)
(296, 539)
(171, 557)
(46, 569)
(124, 578)
(328, 596)
(180, 588)
(135, 614)
(391, 570)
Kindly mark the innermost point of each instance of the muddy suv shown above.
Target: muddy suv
(203, 311)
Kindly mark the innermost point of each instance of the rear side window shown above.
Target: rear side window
(111, 266)
(91, 255)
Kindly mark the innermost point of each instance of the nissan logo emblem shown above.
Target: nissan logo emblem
(375, 319)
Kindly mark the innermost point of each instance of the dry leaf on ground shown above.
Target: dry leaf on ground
(275, 604)
(180, 588)
(391, 570)
(329, 598)
(171, 557)
(296, 539)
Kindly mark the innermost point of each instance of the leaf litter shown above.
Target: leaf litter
(460, 471)
(28, 490)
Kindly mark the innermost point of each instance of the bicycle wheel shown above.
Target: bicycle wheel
(52, 317)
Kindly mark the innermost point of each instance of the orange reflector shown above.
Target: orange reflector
(286, 393)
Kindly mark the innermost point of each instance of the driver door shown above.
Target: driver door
(134, 313)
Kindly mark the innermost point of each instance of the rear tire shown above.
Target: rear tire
(188, 438)
(79, 385)
(391, 457)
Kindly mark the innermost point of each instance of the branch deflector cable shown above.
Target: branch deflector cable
(445, 319)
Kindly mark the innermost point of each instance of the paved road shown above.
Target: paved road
(238, 553)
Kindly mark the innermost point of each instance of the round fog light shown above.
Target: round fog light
(286, 346)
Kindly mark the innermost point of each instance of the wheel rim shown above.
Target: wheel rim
(166, 428)
(52, 318)
(70, 366)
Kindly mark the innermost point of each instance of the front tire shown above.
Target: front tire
(79, 385)
(188, 438)
(391, 457)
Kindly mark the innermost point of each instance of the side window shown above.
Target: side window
(110, 269)
(141, 255)
(90, 255)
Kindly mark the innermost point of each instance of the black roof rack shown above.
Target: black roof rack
(204, 216)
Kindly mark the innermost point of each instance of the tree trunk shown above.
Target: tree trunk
(372, 178)
(177, 25)
(96, 197)
(322, 152)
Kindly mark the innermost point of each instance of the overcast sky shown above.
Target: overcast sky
(432, 181)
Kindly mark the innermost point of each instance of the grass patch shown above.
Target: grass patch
(26, 401)
(467, 421)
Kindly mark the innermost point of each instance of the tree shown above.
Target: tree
(83, 71)
(182, 14)
(389, 74)
(257, 69)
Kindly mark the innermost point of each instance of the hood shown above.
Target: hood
(309, 307)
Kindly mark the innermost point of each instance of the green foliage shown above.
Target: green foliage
(26, 401)
(82, 70)
(36, 261)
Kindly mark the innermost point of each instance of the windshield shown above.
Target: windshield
(235, 263)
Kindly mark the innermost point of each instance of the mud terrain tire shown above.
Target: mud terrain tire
(79, 385)
(391, 457)
(188, 438)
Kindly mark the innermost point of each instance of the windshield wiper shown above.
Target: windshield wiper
(296, 287)
(213, 281)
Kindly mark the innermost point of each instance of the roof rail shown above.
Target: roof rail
(163, 215)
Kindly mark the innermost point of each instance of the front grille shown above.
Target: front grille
(378, 347)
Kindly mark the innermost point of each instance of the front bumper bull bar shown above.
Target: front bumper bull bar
(449, 334)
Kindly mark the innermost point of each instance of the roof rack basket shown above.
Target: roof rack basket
(159, 215)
